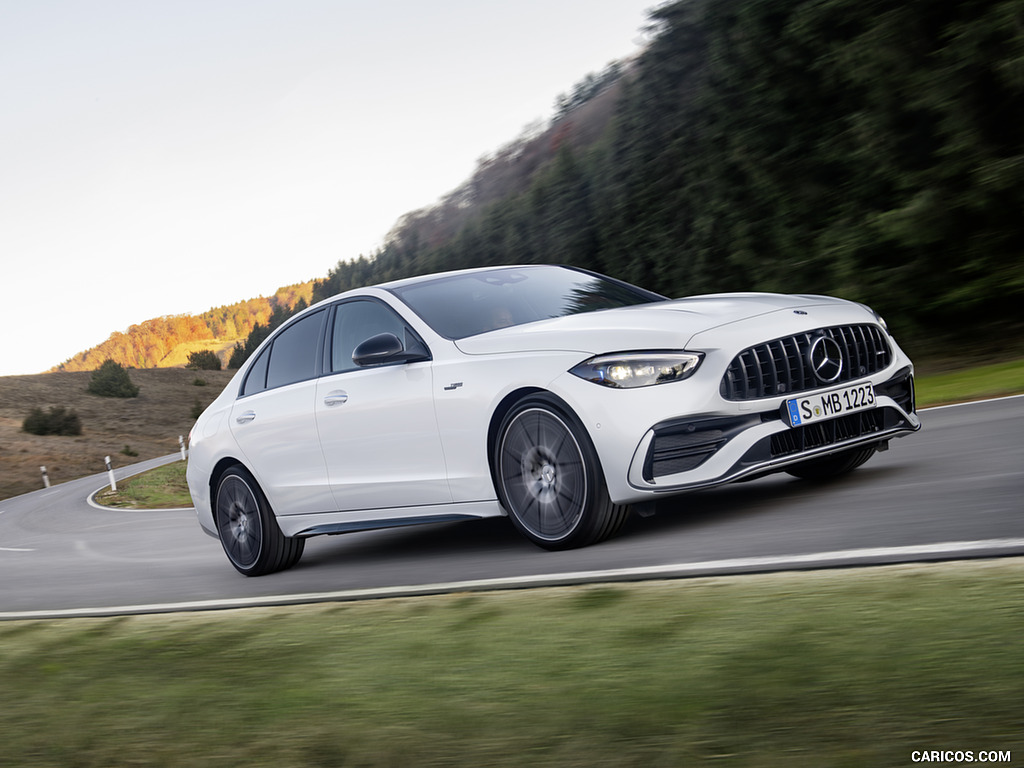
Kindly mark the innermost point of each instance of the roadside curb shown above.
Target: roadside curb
(944, 552)
(131, 471)
(91, 501)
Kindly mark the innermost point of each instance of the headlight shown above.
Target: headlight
(638, 369)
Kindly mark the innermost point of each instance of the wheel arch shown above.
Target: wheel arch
(497, 416)
(219, 469)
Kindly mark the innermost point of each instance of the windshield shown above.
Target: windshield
(457, 306)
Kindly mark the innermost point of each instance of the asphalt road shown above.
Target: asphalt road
(953, 490)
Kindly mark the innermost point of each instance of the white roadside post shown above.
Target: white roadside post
(46, 477)
(110, 474)
(181, 445)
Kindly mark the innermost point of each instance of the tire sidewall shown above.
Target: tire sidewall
(593, 477)
(240, 473)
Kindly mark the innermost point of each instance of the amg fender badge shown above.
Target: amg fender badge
(452, 386)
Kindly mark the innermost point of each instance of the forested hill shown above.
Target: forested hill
(870, 150)
(153, 343)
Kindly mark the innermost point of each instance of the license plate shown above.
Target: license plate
(829, 405)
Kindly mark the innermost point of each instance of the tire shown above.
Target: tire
(549, 479)
(247, 528)
(835, 465)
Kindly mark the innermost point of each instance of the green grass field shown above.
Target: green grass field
(972, 384)
(829, 668)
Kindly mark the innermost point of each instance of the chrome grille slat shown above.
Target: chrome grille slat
(780, 366)
(863, 345)
(793, 365)
(762, 369)
(850, 356)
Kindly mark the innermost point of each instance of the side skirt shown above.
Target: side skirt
(334, 523)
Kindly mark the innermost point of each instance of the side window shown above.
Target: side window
(357, 321)
(256, 379)
(293, 354)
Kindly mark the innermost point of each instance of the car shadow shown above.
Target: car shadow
(746, 499)
(494, 538)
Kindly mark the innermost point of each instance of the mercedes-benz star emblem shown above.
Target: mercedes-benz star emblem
(826, 359)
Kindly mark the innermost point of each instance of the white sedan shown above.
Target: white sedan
(551, 395)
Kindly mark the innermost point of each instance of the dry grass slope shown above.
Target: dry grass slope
(149, 424)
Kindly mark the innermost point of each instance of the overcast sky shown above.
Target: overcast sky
(160, 157)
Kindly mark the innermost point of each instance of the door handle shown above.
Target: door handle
(337, 397)
(245, 418)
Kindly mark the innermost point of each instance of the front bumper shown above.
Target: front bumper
(687, 454)
(686, 436)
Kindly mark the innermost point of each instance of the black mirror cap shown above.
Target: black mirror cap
(382, 349)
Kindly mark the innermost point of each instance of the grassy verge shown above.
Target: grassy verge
(160, 488)
(971, 384)
(800, 669)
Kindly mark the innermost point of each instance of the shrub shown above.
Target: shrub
(197, 409)
(55, 422)
(238, 356)
(111, 380)
(205, 360)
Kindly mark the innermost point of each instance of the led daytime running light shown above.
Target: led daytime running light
(629, 370)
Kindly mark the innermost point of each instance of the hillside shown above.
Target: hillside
(149, 424)
(165, 342)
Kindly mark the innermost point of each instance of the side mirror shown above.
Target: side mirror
(384, 348)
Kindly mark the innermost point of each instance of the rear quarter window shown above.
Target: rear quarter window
(290, 357)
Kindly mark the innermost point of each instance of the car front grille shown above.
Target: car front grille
(811, 436)
(782, 366)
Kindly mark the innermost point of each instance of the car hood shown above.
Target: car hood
(662, 325)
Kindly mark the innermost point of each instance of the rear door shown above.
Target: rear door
(274, 420)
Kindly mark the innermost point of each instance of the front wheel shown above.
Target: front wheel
(549, 478)
(247, 528)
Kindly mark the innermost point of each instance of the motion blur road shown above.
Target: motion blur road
(955, 489)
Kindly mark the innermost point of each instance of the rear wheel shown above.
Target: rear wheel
(549, 478)
(247, 528)
(832, 466)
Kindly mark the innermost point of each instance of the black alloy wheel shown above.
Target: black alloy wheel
(549, 478)
(247, 528)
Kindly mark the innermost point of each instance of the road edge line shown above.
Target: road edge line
(849, 558)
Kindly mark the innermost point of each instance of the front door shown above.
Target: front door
(377, 426)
